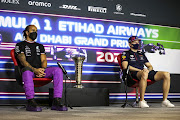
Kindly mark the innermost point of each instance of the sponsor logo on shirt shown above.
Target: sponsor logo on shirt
(17, 49)
(124, 53)
(38, 50)
(123, 57)
(27, 51)
(132, 58)
(141, 57)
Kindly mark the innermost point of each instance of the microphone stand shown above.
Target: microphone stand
(65, 92)
(126, 104)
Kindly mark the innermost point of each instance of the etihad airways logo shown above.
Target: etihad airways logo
(39, 4)
(10, 1)
(70, 7)
(97, 9)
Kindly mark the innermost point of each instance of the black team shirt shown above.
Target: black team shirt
(135, 59)
(32, 51)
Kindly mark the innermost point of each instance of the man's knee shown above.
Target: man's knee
(166, 75)
(27, 72)
(144, 75)
(57, 70)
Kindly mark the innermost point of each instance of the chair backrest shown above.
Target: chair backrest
(119, 60)
(17, 69)
(13, 57)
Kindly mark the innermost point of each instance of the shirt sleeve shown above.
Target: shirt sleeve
(125, 56)
(145, 59)
(19, 48)
(42, 50)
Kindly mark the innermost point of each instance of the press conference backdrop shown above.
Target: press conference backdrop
(96, 29)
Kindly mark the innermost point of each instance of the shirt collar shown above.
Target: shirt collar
(134, 52)
(30, 41)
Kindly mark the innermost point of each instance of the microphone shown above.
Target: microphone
(60, 65)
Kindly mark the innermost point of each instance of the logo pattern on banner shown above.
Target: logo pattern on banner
(138, 14)
(118, 9)
(10, 1)
(70, 7)
(39, 4)
(97, 9)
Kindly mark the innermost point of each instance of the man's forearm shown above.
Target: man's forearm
(44, 64)
(23, 61)
(43, 61)
(150, 68)
(26, 64)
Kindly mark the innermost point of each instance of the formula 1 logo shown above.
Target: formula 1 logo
(70, 7)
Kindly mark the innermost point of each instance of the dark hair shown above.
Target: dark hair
(26, 29)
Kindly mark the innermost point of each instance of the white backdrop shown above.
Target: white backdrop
(169, 62)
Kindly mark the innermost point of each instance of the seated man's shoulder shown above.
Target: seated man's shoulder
(39, 44)
(125, 52)
(20, 43)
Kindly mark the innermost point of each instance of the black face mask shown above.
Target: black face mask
(33, 35)
(135, 46)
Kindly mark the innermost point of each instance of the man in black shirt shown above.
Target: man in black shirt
(136, 61)
(32, 60)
